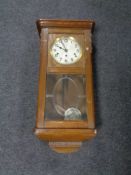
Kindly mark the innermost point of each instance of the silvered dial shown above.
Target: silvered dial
(66, 50)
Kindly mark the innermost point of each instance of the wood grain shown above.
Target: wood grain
(42, 80)
(66, 124)
(89, 84)
(49, 23)
(71, 135)
(65, 147)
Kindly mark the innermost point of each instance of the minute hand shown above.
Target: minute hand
(64, 46)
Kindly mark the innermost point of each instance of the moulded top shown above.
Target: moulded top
(64, 23)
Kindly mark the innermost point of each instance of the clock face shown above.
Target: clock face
(66, 50)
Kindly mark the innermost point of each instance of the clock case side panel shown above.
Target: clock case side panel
(89, 79)
(42, 79)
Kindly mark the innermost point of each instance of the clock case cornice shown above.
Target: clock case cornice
(63, 23)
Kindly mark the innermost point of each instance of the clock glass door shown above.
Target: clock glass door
(65, 97)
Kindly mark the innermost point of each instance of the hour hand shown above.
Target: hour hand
(60, 47)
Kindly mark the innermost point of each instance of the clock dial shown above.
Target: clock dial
(66, 50)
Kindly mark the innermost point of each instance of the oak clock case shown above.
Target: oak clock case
(65, 110)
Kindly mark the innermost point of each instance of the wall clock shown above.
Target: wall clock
(65, 112)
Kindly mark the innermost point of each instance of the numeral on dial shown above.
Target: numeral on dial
(75, 55)
(66, 40)
(56, 54)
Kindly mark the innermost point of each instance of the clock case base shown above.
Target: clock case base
(65, 147)
(65, 140)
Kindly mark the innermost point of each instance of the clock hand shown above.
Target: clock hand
(63, 45)
(60, 48)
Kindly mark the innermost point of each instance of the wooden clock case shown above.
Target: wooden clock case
(65, 136)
